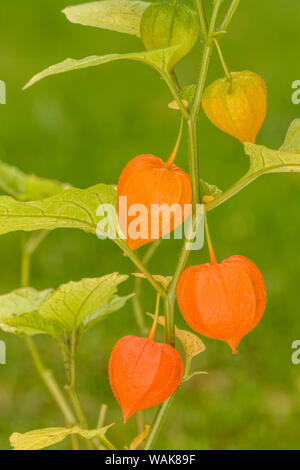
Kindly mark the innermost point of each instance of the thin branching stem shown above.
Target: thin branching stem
(192, 123)
(230, 14)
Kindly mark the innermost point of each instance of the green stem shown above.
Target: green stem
(232, 9)
(157, 423)
(222, 60)
(175, 92)
(107, 443)
(175, 79)
(207, 52)
(26, 261)
(187, 367)
(140, 265)
(71, 375)
(136, 300)
(184, 255)
(50, 382)
(140, 421)
(70, 365)
(192, 122)
(170, 324)
(35, 240)
(78, 407)
(233, 190)
(193, 161)
(202, 18)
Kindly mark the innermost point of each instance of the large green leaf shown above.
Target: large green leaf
(41, 438)
(72, 208)
(158, 59)
(123, 16)
(19, 302)
(68, 307)
(27, 187)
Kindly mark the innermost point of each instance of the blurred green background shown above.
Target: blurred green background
(83, 128)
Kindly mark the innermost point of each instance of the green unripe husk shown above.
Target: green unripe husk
(164, 25)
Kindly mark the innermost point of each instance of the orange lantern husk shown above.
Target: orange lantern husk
(222, 301)
(143, 373)
(237, 106)
(149, 181)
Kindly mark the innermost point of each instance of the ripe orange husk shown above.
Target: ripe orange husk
(148, 180)
(143, 373)
(222, 301)
(238, 107)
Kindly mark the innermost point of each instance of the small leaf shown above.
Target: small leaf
(27, 187)
(138, 440)
(292, 139)
(72, 208)
(187, 95)
(264, 160)
(174, 104)
(159, 59)
(210, 189)
(19, 302)
(191, 343)
(123, 16)
(163, 280)
(41, 438)
(69, 307)
(186, 378)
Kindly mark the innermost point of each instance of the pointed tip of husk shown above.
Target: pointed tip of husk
(127, 413)
(233, 344)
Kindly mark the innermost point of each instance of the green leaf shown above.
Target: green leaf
(186, 378)
(187, 94)
(138, 440)
(123, 16)
(18, 302)
(115, 303)
(69, 306)
(292, 139)
(159, 59)
(41, 438)
(27, 187)
(72, 208)
(210, 189)
(191, 343)
(264, 160)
